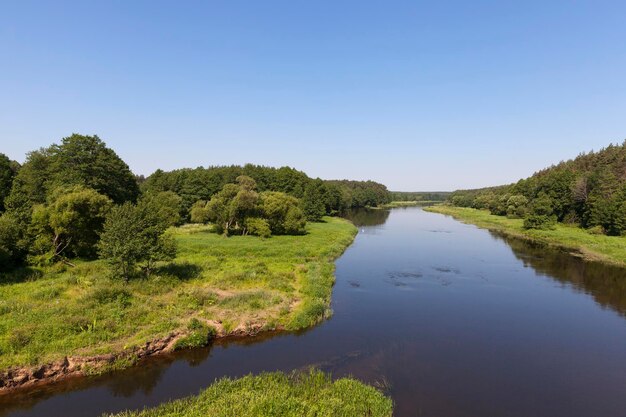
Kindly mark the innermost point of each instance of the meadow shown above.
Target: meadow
(597, 247)
(216, 286)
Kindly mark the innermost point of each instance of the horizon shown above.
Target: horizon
(426, 97)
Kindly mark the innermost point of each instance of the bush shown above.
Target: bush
(258, 227)
(539, 221)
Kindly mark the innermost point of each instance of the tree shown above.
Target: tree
(135, 234)
(313, 201)
(516, 206)
(283, 213)
(8, 170)
(122, 243)
(166, 205)
(86, 160)
(69, 225)
(10, 251)
(541, 213)
(199, 212)
(229, 208)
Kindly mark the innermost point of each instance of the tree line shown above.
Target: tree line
(319, 197)
(79, 199)
(419, 195)
(588, 191)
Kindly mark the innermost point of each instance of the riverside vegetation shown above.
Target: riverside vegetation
(97, 261)
(579, 205)
(275, 394)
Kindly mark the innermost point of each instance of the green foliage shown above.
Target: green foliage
(10, 253)
(70, 223)
(86, 160)
(283, 213)
(235, 281)
(199, 335)
(313, 201)
(517, 206)
(136, 233)
(199, 212)
(197, 184)
(165, 204)
(419, 196)
(257, 226)
(275, 394)
(8, 170)
(589, 190)
(591, 244)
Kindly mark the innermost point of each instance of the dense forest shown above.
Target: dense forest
(79, 199)
(419, 195)
(588, 191)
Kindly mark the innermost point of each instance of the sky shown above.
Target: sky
(419, 95)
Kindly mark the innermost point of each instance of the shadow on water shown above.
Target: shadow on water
(366, 217)
(448, 319)
(605, 283)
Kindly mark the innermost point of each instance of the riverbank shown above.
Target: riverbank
(64, 321)
(579, 242)
(276, 394)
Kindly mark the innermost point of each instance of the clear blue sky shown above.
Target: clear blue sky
(418, 95)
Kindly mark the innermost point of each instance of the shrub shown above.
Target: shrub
(258, 227)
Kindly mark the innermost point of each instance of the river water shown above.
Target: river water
(448, 319)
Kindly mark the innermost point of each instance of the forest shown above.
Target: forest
(79, 199)
(588, 191)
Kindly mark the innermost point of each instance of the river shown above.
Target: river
(449, 319)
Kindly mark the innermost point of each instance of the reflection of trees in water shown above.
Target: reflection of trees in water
(366, 217)
(606, 283)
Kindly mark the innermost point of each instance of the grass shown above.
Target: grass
(609, 249)
(276, 394)
(217, 285)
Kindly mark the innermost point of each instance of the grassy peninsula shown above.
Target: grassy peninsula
(598, 247)
(276, 394)
(214, 286)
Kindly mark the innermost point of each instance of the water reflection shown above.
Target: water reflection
(367, 217)
(606, 283)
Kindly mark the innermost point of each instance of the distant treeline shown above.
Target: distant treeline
(78, 198)
(419, 195)
(589, 191)
(324, 197)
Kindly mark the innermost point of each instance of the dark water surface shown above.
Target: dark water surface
(450, 319)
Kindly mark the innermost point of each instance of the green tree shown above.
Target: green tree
(166, 205)
(86, 160)
(69, 225)
(541, 213)
(136, 235)
(229, 208)
(283, 213)
(8, 170)
(10, 251)
(122, 242)
(517, 206)
(313, 201)
(199, 212)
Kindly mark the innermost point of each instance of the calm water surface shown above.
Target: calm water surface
(449, 319)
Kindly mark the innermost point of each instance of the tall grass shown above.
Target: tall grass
(228, 284)
(276, 394)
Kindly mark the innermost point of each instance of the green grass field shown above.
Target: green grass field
(275, 394)
(239, 284)
(610, 249)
